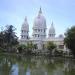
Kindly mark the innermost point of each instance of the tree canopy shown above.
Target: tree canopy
(8, 37)
(69, 39)
(50, 46)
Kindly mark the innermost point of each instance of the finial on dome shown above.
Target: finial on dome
(52, 24)
(25, 18)
(40, 11)
(25, 21)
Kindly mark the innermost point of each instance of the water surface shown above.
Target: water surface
(36, 65)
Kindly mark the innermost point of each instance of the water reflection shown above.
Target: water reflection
(36, 65)
(14, 70)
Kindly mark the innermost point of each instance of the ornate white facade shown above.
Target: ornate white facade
(39, 33)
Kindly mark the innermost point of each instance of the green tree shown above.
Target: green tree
(1, 39)
(69, 39)
(35, 46)
(8, 38)
(22, 48)
(30, 47)
(2, 44)
(50, 46)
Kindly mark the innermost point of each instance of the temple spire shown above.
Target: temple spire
(25, 21)
(40, 11)
(52, 24)
(25, 18)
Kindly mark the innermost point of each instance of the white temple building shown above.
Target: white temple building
(39, 36)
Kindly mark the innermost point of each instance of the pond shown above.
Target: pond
(36, 65)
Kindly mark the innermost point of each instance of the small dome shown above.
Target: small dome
(39, 21)
(25, 25)
(52, 29)
(61, 36)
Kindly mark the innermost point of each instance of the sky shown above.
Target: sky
(61, 12)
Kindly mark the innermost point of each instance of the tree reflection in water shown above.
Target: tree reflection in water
(36, 65)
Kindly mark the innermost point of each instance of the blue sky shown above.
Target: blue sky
(61, 12)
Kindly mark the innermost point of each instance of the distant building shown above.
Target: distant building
(39, 33)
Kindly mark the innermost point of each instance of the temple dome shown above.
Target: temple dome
(39, 21)
(25, 25)
(52, 29)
